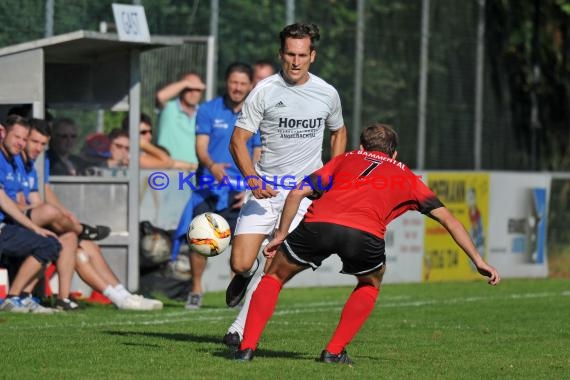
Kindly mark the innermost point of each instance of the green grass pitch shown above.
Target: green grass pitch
(517, 330)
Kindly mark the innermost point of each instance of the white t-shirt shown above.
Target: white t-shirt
(292, 121)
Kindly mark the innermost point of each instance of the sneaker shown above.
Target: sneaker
(232, 339)
(342, 358)
(194, 301)
(34, 306)
(236, 290)
(14, 305)
(65, 304)
(137, 302)
(244, 355)
(154, 304)
(94, 233)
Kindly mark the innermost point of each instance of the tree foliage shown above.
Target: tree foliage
(528, 36)
(520, 37)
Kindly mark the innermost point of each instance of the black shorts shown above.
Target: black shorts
(309, 244)
(18, 241)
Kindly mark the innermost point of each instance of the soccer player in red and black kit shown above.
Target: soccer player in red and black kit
(356, 195)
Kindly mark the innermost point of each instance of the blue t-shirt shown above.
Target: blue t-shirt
(46, 169)
(2, 215)
(216, 120)
(29, 176)
(12, 176)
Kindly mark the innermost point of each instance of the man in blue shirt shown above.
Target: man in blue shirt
(220, 189)
(19, 237)
(68, 229)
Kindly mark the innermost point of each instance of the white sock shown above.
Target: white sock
(239, 323)
(114, 295)
(121, 290)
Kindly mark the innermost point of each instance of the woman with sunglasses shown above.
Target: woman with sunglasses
(153, 156)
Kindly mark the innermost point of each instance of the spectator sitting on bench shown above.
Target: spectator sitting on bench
(88, 259)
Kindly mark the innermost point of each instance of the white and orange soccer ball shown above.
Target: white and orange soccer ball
(209, 234)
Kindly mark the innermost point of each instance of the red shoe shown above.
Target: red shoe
(97, 297)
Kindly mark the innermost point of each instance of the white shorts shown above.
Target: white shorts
(261, 216)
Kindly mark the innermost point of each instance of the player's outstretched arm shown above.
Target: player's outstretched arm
(462, 238)
(290, 208)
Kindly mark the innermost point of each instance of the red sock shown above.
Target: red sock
(261, 308)
(356, 310)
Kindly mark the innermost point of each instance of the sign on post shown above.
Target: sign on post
(131, 23)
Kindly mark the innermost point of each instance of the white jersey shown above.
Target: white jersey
(292, 121)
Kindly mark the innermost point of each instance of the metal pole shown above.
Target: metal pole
(289, 12)
(211, 65)
(214, 22)
(422, 100)
(479, 76)
(134, 175)
(358, 59)
(49, 18)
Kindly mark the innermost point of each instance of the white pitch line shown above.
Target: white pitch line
(213, 315)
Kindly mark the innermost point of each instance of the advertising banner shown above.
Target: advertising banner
(466, 195)
(519, 214)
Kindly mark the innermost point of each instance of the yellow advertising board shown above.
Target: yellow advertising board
(466, 195)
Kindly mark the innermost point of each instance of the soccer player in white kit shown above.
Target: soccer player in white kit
(291, 109)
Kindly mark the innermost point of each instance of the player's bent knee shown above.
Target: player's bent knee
(241, 266)
(242, 263)
(82, 257)
(52, 212)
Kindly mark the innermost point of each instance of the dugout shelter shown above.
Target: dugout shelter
(92, 70)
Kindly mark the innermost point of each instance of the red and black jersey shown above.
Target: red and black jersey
(367, 190)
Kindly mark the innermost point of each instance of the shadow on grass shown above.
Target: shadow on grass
(261, 353)
(222, 352)
(171, 336)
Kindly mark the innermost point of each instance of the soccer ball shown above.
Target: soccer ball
(209, 234)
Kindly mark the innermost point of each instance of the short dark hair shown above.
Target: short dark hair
(379, 137)
(239, 67)
(116, 133)
(41, 126)
(14, 119)
(300, 30)
(144, 119)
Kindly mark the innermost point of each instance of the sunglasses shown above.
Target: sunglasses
(121, 146)
(67, 136)
(145, 131)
